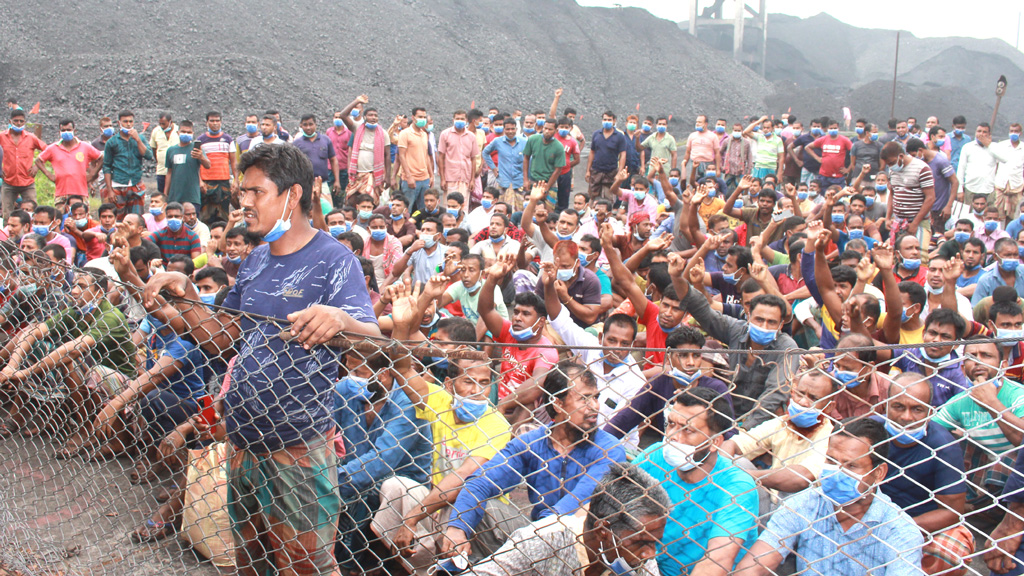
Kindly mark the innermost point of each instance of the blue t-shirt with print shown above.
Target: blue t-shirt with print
(281, 394)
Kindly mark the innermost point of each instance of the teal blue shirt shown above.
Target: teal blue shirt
(723, 505)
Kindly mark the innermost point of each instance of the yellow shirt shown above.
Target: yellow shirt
(707, 210)
(907, 336)
(454, 441)
(787, 447)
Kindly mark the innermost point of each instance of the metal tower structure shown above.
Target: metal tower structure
(712, 22)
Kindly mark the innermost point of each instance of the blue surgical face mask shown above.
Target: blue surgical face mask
(737, 134)
(646, 128)
(816, 131)
(82, 223)
(541, 122)
(730, 278)
(565, 275)
(452, 212)
(486, 203)
(869, 201)
(253, 128)
(156, 211)
(561, 236)
(468, 410)
(499, 130)
(338, 122)
(874, 137)
(958, 132)
(174, 224)
(379, 234)
(354, 113)
(67, 136)
(801, 196)
(737, 204)
(838, 218)
(673, 181)
(209, 299)
(961, 236)
(370, 125)
(281, 226)
(1009, 265)
(16, 129)
(911, 263)
(563, 132)
(43, 231)
(761, 336)
(582, 258)
(498, 239)
(880, 188)
(529, 131)
(617, 566)
(905, 435)
(856, 234)
(365, 214)
(185, 138)
(803, 417)
(359, 388)
(712, 192)
(840, 486)
(473, 289)
(336, 230)
(108, 131)
(662, 129)
(833, 133)
(1014, 137)
(639, 195)
(235, 260)
(859, 130)
(460, 124)
(607, 124)
(684, 377)
(847, 377)
(991, 225)
(720, 129)
(524, 334)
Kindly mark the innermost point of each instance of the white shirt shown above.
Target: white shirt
(977, 169)
(258, 141)
(616, 388)
(478, 219)
(1011, 169)
(203, 231)
(963, 306)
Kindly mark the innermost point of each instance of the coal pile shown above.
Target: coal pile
(87, 60)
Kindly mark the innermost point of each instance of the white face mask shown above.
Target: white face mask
(680, 456)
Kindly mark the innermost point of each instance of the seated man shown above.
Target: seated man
(940, 364)
(796, 442)
(619, 531)
(560, 462)
(714, 503)
(990, 415)
(87, 353)
(468, 432)
(383, 438)
(864, 388)
(926, 476)
(684, 368)
(846, 525)
(760, 380)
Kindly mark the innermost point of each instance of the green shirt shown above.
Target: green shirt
(961, 412)
(544, 158)
(768, 151)
(107, 326)
(184, 172)
(661, 148)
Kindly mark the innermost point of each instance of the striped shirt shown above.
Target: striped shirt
(218, 149)
(908, 187)
(962, 412)
(183, 242)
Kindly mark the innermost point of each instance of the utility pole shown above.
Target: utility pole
(895, 68)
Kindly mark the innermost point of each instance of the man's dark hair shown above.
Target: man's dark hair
(218, 275)
(367, 269)
(461, 236)
(48, 210)
(185, 124)
(532, 300)
(458, 329)
(174, 206)
(558, 381)
(250, 238)
(744, 257)
(24, 217)
(57, 252)
(948, 317)
(1004, 308)
(125, 114)
(872, 431)
(305, 117)
(720, 417)
(685, 335)
(285, 166)
(139, 253)
(623, 496)
(749, 286)
(98, 276)
(593, 241)
(190, 267)
(959, 120)
(915, 144)
(858, 340)
(770, 300)
(914, 291)
(212, 114)
(462, 246)
(845, 274)
(624, 320)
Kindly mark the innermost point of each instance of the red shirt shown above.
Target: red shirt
(655, 335)
(833, 154)
(494, 155)
(518, 364)
(18, 158)
(71, 166)
(571, 149)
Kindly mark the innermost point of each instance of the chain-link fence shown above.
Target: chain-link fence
(134, 446)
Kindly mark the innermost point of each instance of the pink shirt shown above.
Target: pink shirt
(649, 205)
(459, 150)
(63, 241)
(340, 142)
(71, 166)
(152, 225)
(702, 146)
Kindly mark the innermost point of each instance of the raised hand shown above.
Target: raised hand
(745, 183)
(696, 273)
(700, 194)
(502, 266)
(822, 240)
(952, 270)
(676, 264)
(405, 304)
(660, 243)
(607, 235)
(548, 273)
(865, 270)
(883, 255)
(363, 99)
(759, 272)
(789, 191)
(436, 286)
(813, 227)
(538, 193)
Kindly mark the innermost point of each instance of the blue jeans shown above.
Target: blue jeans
(825, 182)
(414, 196)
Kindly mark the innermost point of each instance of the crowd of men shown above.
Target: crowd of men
(784, 350)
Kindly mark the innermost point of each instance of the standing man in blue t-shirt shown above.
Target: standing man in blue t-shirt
(606, 159)
(282, 475)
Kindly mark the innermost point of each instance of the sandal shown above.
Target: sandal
(143, 474)
(151, 531)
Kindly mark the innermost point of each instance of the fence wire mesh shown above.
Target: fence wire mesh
(134, 446)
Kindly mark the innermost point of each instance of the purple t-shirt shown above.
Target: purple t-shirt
(650, 402)
(319, 152)
(942, 170)
(585, 289)
(282, 395)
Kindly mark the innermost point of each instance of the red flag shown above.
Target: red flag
(637, 106)
(145, 126)
(35, 109)
(788, 110)
(472, 104)
(669, 117)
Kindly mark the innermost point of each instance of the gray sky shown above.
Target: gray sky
(983, 18)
